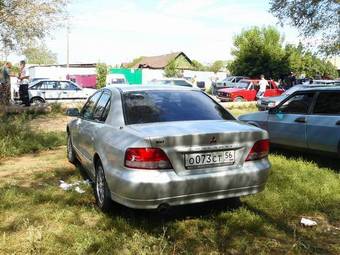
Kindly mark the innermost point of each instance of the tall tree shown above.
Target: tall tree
(314, 19)
(216, 66)
(258, 51)
(39, 55)
(22, 21)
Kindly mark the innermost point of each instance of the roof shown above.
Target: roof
(318, 88)
(159, 62)
(127, 88)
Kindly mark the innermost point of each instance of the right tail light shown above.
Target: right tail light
(259, 150)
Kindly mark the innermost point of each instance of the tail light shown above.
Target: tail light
(146, 158)
(259, 150)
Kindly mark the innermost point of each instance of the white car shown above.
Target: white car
(115, 79)
(43, 91)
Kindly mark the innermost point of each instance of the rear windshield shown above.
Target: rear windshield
(164, 106)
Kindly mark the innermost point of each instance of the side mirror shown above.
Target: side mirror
(72, 112)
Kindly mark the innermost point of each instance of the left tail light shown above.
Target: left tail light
(146, 158)
(259, 150)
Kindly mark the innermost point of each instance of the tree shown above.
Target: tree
(39, 55)
(22, 21)
(198, 66)
(258, 51)
(314, 19)
(216, 66)
(101, 69)
(171, 70)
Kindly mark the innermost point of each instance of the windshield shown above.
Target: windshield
(165, 106)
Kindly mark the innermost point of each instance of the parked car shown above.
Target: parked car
(115, 79)
(246, 90)
(307, 119)
(43, 91)
(173, 81)
(266, 103)
(153, 147)
(229, 81)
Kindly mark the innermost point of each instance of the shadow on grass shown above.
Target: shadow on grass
(305, 242)
(322, 160)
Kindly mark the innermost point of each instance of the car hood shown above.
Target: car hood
(256, 116)
(231, 90)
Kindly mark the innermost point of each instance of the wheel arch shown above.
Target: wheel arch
(38, 97)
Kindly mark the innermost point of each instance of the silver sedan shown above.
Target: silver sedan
(151, 146)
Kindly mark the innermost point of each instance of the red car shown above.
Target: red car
(246, 90)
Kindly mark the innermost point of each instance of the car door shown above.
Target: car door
(70, 91)
(50, 90)
(86, 117)
(270, 91)
(287, 122)
(323, 125)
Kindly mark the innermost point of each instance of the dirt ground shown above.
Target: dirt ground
(50, 123)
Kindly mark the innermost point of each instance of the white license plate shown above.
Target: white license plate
(210, 158)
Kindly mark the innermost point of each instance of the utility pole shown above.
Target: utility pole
(67, 39)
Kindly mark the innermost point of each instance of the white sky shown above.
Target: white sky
(115, 31)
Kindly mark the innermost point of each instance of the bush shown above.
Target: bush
(16, 137)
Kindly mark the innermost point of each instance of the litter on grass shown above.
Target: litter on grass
(308, 223)
(69, 186)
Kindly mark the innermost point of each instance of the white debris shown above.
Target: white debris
(65, 186)
(75, 185)
(308, 223)
(79, 190)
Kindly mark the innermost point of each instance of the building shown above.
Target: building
(160, 62)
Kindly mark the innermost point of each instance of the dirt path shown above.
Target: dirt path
(50, 123)
(20, 169)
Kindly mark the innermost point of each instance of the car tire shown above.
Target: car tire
(37, 101)
(239, 99)
(71, 154)
(101, 190)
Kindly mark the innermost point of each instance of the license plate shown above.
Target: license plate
(209, 158)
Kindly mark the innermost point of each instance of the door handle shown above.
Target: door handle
(337, 123)
(300, 120)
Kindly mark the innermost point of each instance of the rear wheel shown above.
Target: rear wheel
(102, 192)
(239, 99)
(37, 101)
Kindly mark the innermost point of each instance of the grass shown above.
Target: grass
(37, 217)
(17, 136)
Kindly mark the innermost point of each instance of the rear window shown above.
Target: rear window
(165, 106)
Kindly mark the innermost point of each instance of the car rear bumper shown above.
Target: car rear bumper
(148, 189)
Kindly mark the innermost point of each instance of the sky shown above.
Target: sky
(116, 31)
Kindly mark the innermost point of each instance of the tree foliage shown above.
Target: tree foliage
(171, 70)
(133, 62)
(260, 51)
(217, 66)
(22, 21)
(102, 70)
(314, 19)
(198, 66)
(39, 54)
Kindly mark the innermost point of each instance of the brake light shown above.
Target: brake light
(259, 150)
(146, 158)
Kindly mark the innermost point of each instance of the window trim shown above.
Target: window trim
(82, 110)
(108, 104)
(309, 112)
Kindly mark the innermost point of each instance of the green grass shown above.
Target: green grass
(37, 217)
(17, 137)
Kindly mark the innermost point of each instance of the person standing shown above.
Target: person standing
(23, 81)
(5, 84)
(263, 86)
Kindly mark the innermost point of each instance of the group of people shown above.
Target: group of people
(5, 83)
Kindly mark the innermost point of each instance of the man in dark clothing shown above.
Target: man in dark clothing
(23, 89)
(5, 84)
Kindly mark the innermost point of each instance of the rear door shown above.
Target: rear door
(287, 123)
(270, 90)
(323, 126)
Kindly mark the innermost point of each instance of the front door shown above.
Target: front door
(287, 123)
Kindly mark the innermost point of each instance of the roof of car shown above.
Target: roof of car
(316, 87)
(127, 88)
